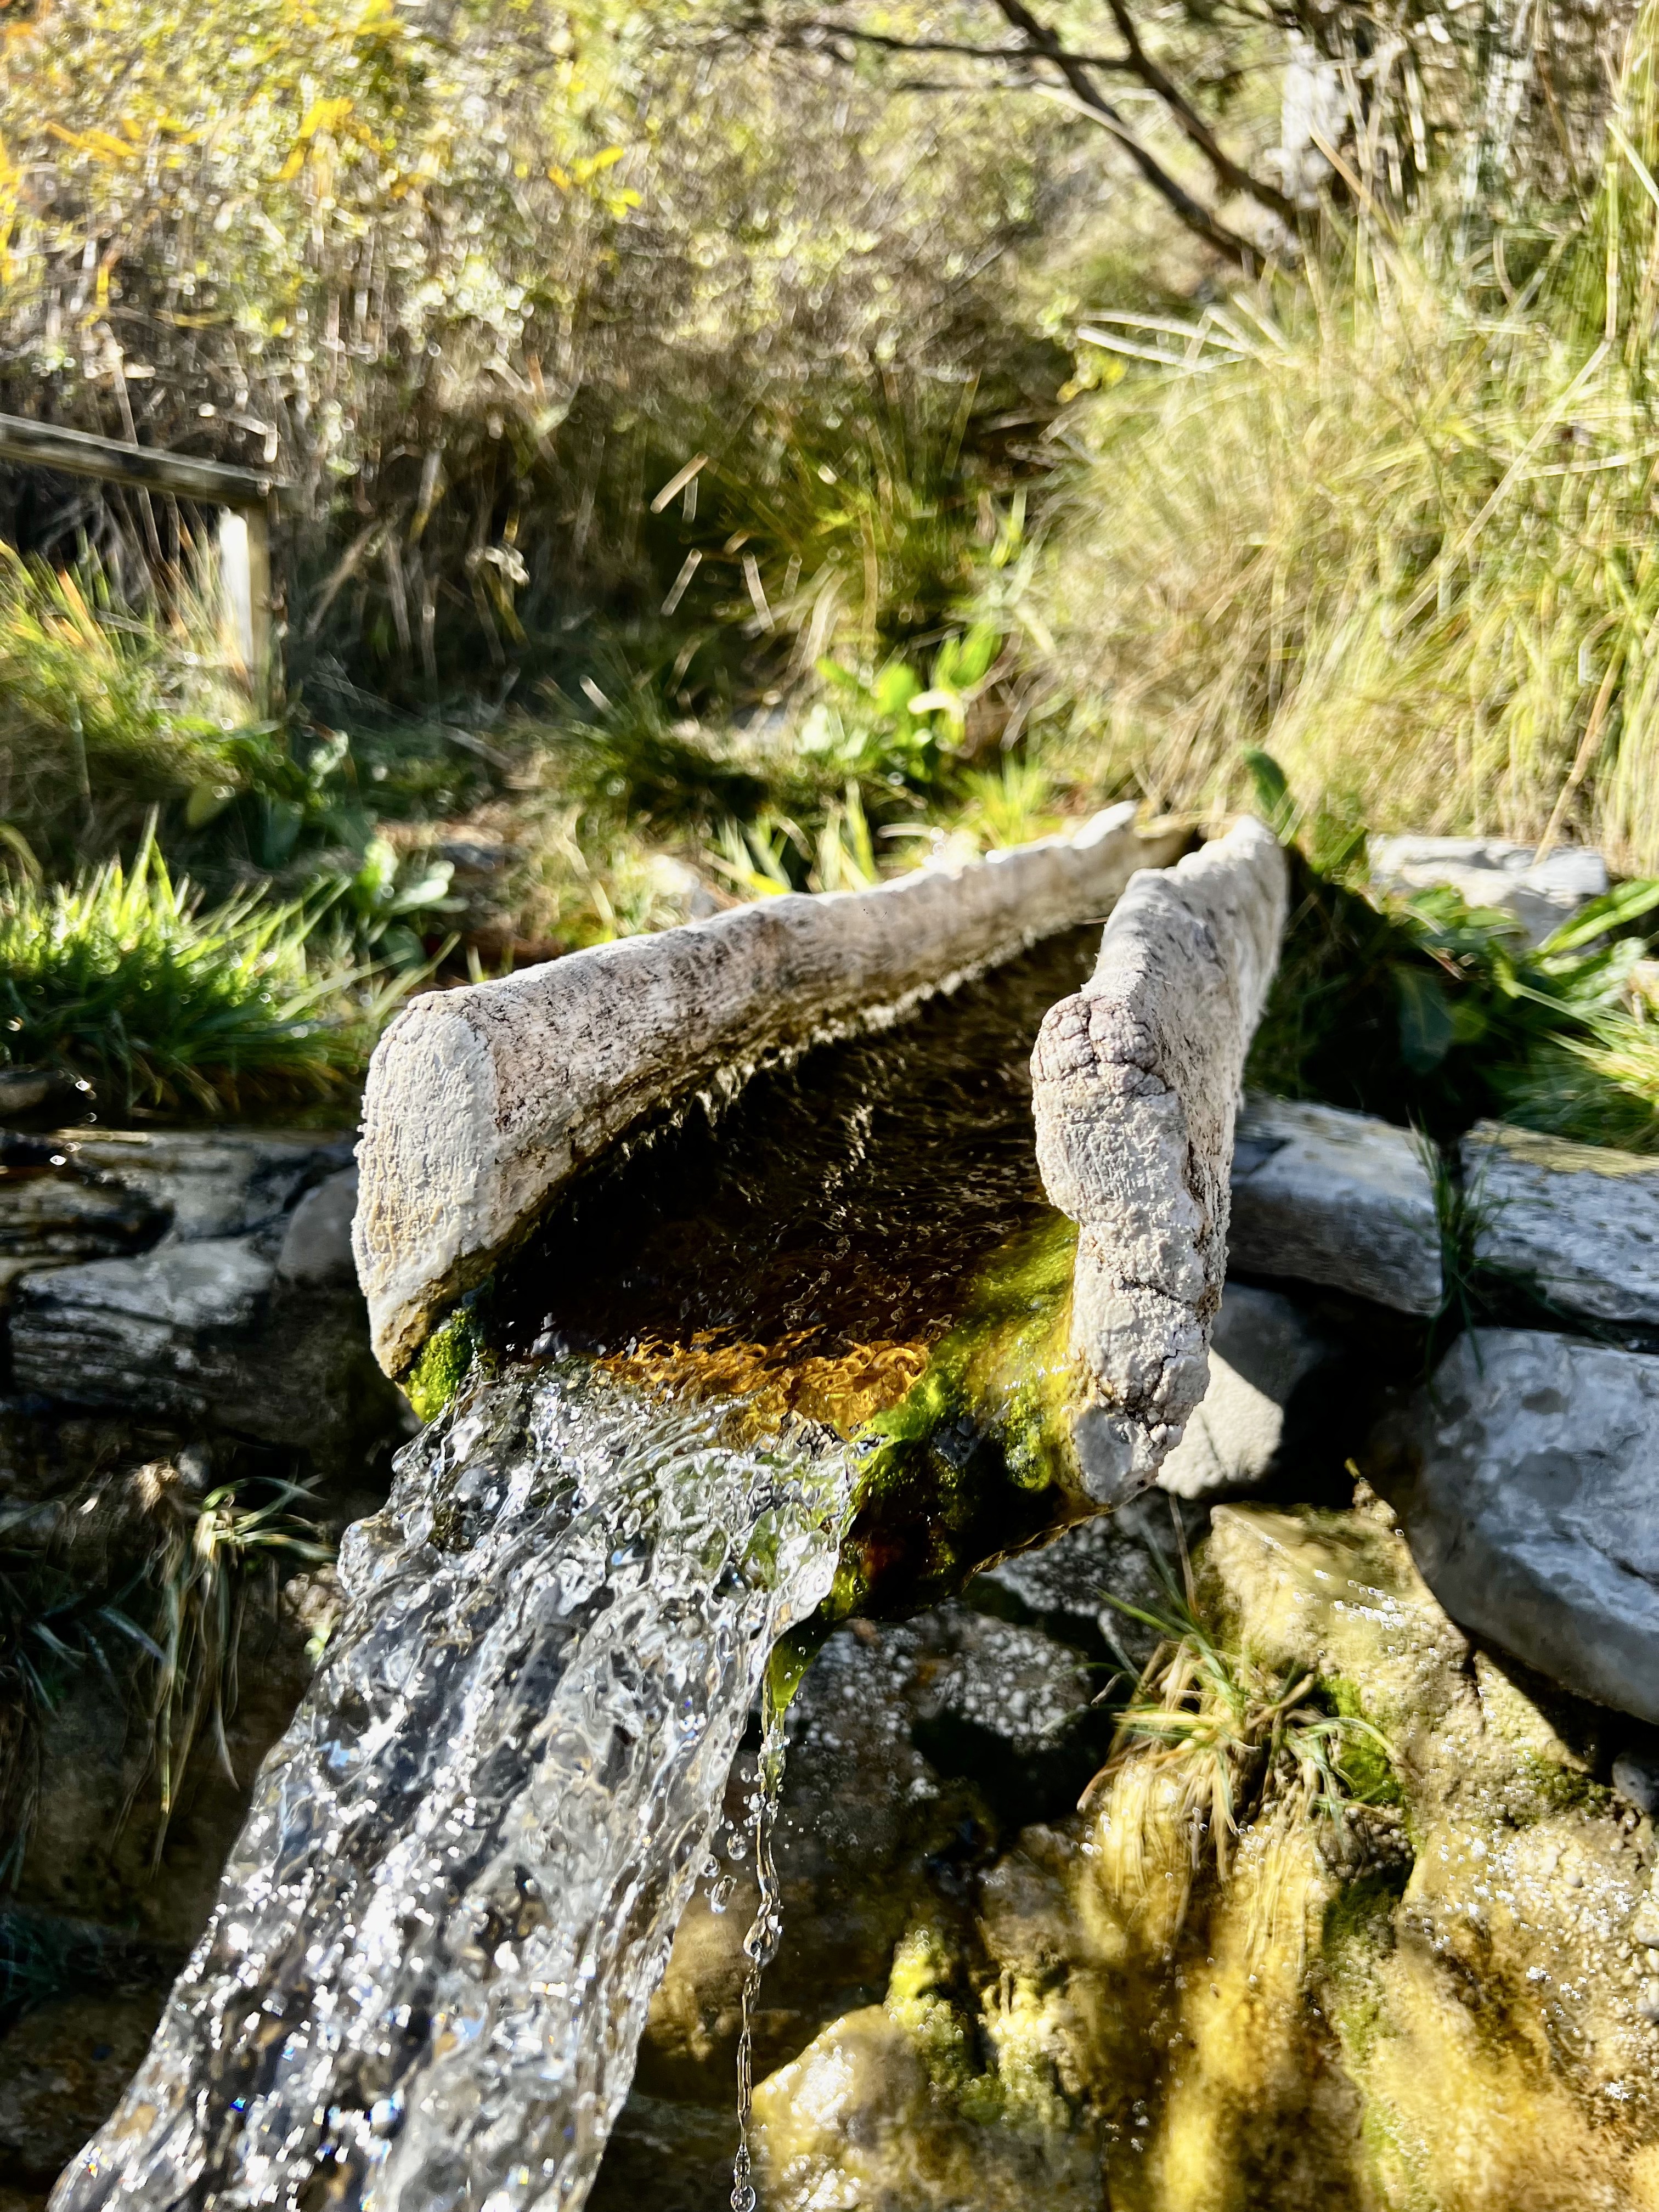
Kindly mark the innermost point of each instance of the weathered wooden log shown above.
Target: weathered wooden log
(1137, 1081)
(481, 1103)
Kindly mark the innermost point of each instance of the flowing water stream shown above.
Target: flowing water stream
(428, 1968)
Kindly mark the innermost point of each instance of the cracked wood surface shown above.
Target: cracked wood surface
(1136, 1086)
(483, 1102)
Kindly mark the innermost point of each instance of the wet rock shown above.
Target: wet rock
(1577, 1224)
(482, 1102)
(1331, 1197)
(209, 1183)
(1257, 1411)
(61, 2068)
(912, 1745)
(1540, 895)
(205, 1334)
(1078, 1588)
(856, 2121)
(1135, 1083)
(1524, 1480)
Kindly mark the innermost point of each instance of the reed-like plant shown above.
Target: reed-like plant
(1395, 522)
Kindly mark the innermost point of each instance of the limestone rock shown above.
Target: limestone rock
(204, 1334)
(482, 1102)
(1524, 1478)
(1135, 1082)
(1331, 1197)
(316, 1245)
(51, 1213)
(1263, 1352)
(856, 2124)
(209, 1183)
(1578, 1222)
(1541, 894)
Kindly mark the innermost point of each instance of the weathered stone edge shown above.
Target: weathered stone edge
(481, 1103)
(1136, 1082)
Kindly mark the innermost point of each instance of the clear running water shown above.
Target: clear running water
(428, 1971)
(428, 1968)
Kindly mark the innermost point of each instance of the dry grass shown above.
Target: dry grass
(1395, 525)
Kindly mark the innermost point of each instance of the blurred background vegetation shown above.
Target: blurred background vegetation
(740, 446)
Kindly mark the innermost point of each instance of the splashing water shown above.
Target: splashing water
(760, 1945)
(427, 1970)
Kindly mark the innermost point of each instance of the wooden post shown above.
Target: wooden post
(245, 495)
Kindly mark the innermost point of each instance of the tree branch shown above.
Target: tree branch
(1229, 172)
(1088, 96)
(888, 43)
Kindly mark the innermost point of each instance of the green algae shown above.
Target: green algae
(976, 1460)
(446, 1359)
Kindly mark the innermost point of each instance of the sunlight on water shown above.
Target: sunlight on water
(435, 1941)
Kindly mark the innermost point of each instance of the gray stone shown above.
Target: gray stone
(1580, 1223)
(1261, 1348)
(317, 1244)
(1076, 1588)
(481, 1103)
(1636, 1777)
(1541, 894)
(25, 1090)
(51, 1213)
(208, 1184)
(1523, 1477)
(1135, 1084)
(1336, 1198)
(205, 1334)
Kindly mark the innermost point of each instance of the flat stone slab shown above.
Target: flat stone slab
(1486, 871)
(481, 1103)
(1262, 1350)
(208, 1182)
(1524, 1478)
(1331, 1197)
(1579, 1224)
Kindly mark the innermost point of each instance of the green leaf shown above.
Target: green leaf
(1428, 1029)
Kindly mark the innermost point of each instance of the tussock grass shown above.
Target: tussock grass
(104, 716)
(208, 1554)
(1396, 524)
(123, 976)
(1210, 1744)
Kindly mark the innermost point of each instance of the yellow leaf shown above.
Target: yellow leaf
(593, 165)
(326, 115)
(96, 142)
(560, 178)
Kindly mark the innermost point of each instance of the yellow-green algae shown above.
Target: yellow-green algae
(1442, 2009)
(975, 1460)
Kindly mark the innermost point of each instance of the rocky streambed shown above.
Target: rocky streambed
(1284, 1837)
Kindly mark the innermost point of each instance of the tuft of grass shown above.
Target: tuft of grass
(124, 976)
(103, 715)
(208, 1555)
(1426, 1010)
(1209, 1743)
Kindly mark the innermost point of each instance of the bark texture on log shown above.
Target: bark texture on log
(481, 1103)
(1136, 1085)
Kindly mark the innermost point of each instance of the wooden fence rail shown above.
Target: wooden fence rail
(244, 497)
